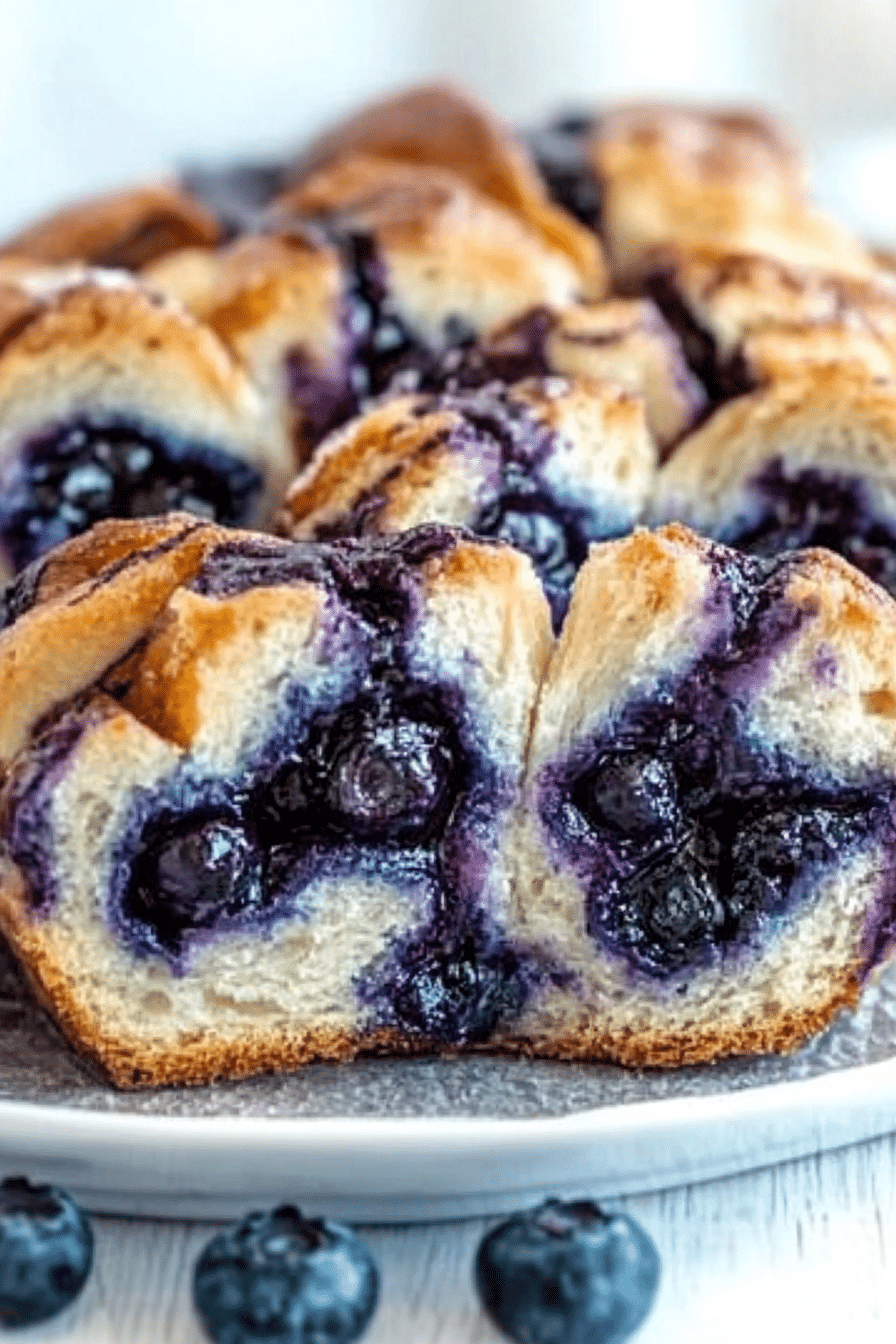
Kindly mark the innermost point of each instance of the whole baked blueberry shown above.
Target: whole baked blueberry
(631, 793)
(455, 991)
(567, 1273)
(46, 1251)
(285, 1279)
(191, 871)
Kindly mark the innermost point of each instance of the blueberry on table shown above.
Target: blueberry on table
(46, 1251)
(285, 1279)
(567, 1273)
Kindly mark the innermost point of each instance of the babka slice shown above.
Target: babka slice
(276, 828)
(116, 403)
(807, 461)
(708, 851)
(548, 464)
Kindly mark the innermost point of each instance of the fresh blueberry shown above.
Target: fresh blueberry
(46, 1251)
(284, 1279)
(567, 1273)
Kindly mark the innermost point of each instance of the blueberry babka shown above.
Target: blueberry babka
(549, 465)
(650, 173)
(706, 851)
(622, 341)
(440, 126)
(277, 828)
(809, 461)
(264, 800)
(115, 404)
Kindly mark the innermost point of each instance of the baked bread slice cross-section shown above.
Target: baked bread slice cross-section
(708, 845)
(117, 403)
(548, 464)
(275, 830)
(807, 461)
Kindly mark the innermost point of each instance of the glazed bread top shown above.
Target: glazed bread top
(127, 229)
(437, 233)
(731, 295)
(692, 176)
(442, 457)
(439, 126)
(816, 677)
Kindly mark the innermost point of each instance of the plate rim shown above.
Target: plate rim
(756, 1097)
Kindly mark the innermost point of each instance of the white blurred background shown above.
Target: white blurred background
(97, 93)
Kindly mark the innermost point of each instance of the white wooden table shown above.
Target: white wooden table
(801, 1252)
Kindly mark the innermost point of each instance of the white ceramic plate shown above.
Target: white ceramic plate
(401, 1140)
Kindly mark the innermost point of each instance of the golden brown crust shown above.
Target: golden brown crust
(261, 276)
(130, 1063)
(659, 1049)
(448, 250)
(92, 317)
(376, 448)
(127, 229)
(95, 598)
(413, 460)
(692, 177)
(734, 295)
(437, 125)
(712, 144)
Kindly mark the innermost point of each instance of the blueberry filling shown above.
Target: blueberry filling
(723, 377)
(383, 352)
(529, 520)
(68, 479)
(688, 835)
(561, 152)
(523, 509)
(368, 779)
(678, 882)
(453, 985)
(374, 576)
(814, 508)
(630, 793)
(383, 771)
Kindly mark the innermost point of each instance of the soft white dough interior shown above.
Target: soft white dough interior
(296, 975)
(790, 968)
